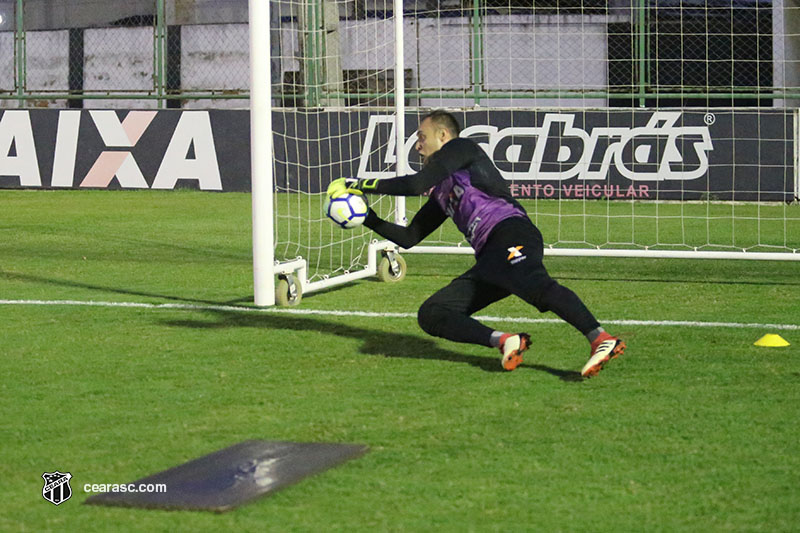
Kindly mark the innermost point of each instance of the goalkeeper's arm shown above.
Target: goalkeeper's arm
(454, 155)
(428, 218)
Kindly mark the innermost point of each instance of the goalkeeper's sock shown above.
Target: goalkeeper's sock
(592, 335)
(494, 340)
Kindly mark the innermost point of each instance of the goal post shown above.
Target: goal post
(261, 153)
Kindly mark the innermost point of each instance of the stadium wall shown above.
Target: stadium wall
(747, 155)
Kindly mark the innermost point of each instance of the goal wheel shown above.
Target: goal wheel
(392, 267)
(288, 292)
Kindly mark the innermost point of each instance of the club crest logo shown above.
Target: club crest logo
(56, 488)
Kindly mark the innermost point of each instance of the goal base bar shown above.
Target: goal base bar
(646, 254)
(299, 267)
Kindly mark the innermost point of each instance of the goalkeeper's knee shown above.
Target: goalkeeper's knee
(430, 317)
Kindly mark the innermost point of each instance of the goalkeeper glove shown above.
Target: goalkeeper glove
(340, 186)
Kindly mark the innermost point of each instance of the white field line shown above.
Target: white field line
(369, 314)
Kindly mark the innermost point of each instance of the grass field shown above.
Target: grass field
(694, 429)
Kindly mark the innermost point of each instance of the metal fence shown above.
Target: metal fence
(499, 53)
(132, 53)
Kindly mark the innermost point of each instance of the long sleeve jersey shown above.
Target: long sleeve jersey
(464, 185)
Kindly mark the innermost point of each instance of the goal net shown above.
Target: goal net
(329, 74)
(649, 128)
(633, 128)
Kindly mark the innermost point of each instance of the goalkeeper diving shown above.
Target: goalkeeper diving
(466, 186)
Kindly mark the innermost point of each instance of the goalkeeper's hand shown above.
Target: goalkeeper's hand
(340, 186)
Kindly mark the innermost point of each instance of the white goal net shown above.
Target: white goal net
(646, 128)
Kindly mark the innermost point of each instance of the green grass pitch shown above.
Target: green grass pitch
(693, 429)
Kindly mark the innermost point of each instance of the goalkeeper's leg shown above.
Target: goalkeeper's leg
(447, 313)
(512, 259)
(549, 295)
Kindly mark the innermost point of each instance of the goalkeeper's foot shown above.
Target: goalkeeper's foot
(511, 346)
(604, 348)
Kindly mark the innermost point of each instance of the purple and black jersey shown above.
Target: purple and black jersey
(474, 211)
(464, 185)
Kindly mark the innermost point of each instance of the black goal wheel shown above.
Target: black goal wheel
(392, 268)
(288, 293)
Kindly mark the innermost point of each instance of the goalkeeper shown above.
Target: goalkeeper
(464, 184)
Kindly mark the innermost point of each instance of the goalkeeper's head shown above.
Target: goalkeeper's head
(435, 130)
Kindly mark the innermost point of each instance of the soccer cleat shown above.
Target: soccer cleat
(511, 346)
(604, 348)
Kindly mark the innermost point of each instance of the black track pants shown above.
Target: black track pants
(509, 263)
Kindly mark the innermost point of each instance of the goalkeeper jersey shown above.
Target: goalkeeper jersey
(474, 211)
(464, 183)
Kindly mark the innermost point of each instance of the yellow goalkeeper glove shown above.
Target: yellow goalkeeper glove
(340, 186)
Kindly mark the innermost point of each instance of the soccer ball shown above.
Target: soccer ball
(348, 210)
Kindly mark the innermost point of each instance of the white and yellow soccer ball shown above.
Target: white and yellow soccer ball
(347, 210)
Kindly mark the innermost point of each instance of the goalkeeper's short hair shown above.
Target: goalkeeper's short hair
(445, 119)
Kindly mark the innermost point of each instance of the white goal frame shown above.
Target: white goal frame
(265, 267)
(610, 252)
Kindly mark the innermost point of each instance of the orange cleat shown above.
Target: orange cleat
(604, 348)
(511, 346)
